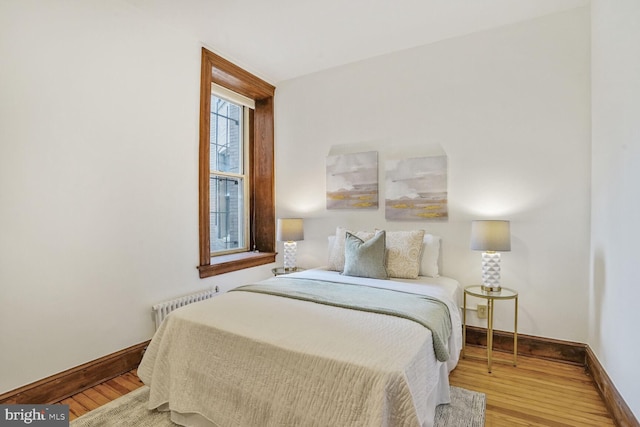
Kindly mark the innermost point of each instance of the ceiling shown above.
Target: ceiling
(283, 39)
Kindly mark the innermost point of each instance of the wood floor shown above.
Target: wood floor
(535, 393)
(81, 403)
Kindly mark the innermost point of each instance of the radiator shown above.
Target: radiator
(162, 310)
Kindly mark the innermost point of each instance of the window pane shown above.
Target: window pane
(226, 213)
(226, 136)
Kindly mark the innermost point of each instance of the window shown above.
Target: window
(228, 183)
(237, 205)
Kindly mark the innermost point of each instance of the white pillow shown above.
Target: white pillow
(403, 253)
(336, 252)
(331, 240)
(429, 264)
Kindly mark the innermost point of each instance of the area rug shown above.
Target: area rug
(466, 410)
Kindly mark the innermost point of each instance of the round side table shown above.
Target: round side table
(504, 294)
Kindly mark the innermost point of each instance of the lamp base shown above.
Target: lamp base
(290, 256)
(490, 271)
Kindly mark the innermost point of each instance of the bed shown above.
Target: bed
(255, 357)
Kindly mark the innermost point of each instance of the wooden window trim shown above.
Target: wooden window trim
(216, 69)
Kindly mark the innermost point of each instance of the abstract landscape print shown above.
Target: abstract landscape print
(416, 189)
(352, 181)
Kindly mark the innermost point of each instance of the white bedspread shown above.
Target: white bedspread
(248, 359)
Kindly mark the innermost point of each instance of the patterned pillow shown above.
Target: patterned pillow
(336, 255)
(404, 249)
(365, 259)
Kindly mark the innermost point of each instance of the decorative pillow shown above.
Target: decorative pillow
(403, 253)
(365, 258)
(336, 254)
(430, 256)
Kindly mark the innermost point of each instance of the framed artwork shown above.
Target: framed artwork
(352, 181)
(416, 189)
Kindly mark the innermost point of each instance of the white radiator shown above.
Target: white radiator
(162, 310)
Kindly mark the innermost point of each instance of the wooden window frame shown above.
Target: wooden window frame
(262, 241)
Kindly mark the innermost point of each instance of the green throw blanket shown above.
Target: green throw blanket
(427, 311)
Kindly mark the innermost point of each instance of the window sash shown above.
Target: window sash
(233, 137)
(227, 214)
(229, 220)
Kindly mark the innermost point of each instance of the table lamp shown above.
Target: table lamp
(289, 231)
(491, 237)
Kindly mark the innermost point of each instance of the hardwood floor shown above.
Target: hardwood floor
(81, 403)
(535, 393)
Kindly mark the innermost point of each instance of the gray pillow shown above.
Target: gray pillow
(365, 258)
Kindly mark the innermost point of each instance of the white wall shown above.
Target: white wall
(511, 109)
(615, 231)
(98, 181)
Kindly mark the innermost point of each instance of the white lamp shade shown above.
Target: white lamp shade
(289, 230)
(490, 235)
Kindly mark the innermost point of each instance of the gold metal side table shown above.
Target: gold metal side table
(491, 297)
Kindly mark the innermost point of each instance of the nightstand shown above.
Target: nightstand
(491, 297)
(281, 270)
